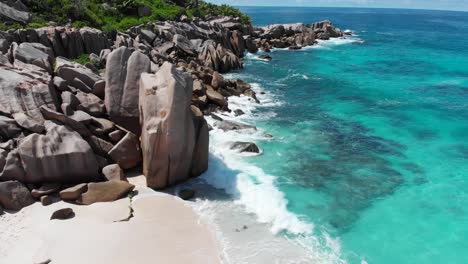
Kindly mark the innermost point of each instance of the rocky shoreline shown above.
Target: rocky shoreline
(140, 101)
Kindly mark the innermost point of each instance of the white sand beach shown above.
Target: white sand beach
(163, 229)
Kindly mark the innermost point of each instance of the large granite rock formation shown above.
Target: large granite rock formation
(63, 41)
(55, 124)
(123, 71)
(168, 137)
(59, 156)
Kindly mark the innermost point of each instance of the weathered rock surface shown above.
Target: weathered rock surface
(127, 152)
(93, 40)
(21, 92)
(28, 123)
(13, 168)
(74, 192)
(215, 97)
(113, 172)
(59, 156)
(8, 128)
(218, 58)
(105, 192)
(168, 136)
(36, 54)
(10, 13)
(123, 71)
(14, 195)
(76, 74)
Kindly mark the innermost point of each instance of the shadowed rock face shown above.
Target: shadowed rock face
(168, 137)
(10, 13)
(59, 156)
(123, 71)
(36, 54)
(14, 195)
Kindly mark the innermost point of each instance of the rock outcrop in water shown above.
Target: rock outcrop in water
(62, 122)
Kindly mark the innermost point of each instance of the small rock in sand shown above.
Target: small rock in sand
(63, 214)
(46, 200)
(113, 172)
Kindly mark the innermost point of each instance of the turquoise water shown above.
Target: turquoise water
(371, 137)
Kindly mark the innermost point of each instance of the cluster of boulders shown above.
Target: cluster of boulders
(293, 36)
(62, 41)
(63, 123)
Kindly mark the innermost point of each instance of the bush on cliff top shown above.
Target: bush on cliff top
(110, 15)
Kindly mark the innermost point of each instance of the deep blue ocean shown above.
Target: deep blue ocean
(370, 147)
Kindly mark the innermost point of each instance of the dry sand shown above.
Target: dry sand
(163, 229)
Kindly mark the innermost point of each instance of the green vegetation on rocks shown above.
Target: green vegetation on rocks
(110, 15)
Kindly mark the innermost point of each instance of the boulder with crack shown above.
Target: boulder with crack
(123, 71)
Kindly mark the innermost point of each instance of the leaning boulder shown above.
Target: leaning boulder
(59, 156)
(168, 136)
(14, 195)
(123, 71)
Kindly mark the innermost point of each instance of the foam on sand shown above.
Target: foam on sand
(255, 200)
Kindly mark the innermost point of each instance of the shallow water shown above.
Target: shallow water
(369, 157)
